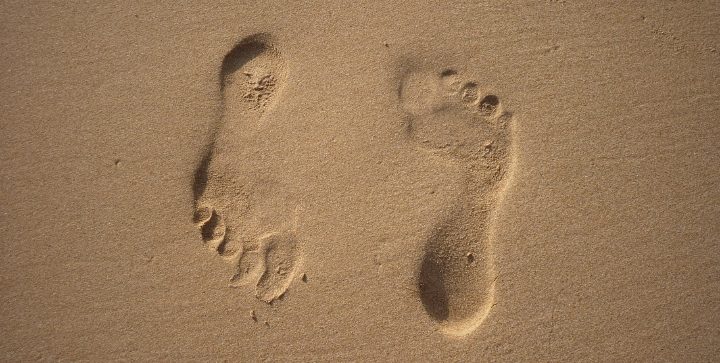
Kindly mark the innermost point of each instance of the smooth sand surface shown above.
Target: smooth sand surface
(360, 181)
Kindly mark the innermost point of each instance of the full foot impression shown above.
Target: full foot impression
(456, 120)
(240, 209)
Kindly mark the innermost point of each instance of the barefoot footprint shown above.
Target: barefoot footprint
(240, 208)
(453, 119)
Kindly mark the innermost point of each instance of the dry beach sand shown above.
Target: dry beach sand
(360, 181)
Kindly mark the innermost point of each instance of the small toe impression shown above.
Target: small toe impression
(202, 215)
(215, 233)
(450, 81)
(469, 93)
(213, 230)
(489, 105)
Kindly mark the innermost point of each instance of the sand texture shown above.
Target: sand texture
(360, 181)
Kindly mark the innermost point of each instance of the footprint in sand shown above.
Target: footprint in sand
(240, 208)
(457, 120)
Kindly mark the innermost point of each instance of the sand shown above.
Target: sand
(360, 181)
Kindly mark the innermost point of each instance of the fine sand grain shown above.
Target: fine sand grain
(360, 181)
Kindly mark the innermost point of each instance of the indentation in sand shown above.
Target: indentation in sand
(457, 120)
(240, 209)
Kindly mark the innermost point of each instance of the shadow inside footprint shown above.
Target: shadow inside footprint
(201, 176)
(432, 289)
(455, 278)
(243, 53)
